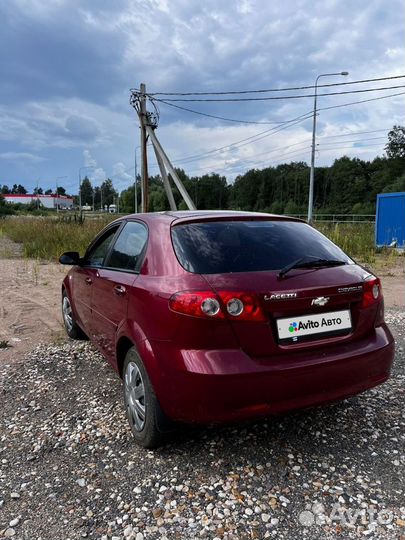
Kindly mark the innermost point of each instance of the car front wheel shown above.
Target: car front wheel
(148, 423)
(73, 330)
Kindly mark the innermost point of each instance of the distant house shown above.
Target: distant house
(48, 201)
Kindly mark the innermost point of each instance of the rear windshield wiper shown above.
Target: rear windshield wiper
(304, 262)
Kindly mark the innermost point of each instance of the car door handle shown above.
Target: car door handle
(88, 280)
(120, 290)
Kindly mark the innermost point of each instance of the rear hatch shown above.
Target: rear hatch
(305, 308)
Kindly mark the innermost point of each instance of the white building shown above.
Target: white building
(47, 201)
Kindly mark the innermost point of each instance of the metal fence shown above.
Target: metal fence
(339, 218)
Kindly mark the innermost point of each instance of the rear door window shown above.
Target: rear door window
(248, 246)
(127, 252)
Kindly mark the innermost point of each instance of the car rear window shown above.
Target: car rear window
(248, 246)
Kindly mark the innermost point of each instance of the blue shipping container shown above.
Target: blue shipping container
(390, 219)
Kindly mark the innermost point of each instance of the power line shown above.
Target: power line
(242, 142)
(361, 101)
(236, 168)
(351, 147)
(353, 141)
(353, 133)
(304, 116)
(216, 117)
(188, 159)
(276, 149)
(218, 100)
(233, 92)
(298, 152)
(283, 122)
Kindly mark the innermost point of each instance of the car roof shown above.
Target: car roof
(209, 215)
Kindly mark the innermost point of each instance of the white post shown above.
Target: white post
(312, 172)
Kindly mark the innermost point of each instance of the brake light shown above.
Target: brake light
(372, 291)
(238, 306)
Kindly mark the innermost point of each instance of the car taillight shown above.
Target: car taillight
(372, 291)
(197, 304)
(242, 306)
(227, 304)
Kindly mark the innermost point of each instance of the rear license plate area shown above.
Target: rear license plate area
(313, 326)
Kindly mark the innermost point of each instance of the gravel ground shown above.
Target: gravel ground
(69, 469)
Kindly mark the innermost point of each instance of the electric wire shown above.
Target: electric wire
(351, 147)
(219, 117)
(354, 141)
(242, 142)
(361, 101)
(283, 122)
(353, 133)
(224, 100)
(233, 92)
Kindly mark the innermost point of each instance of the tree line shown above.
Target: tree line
(348, 186)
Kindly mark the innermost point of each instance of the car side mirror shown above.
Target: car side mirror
(72, 258)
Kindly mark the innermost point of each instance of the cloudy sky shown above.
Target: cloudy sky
(67, 67)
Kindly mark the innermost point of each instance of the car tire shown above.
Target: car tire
(149, 424)
(73, 330)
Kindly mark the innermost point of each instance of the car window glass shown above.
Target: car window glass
(248, 246)
(97, 253)
(127, 251)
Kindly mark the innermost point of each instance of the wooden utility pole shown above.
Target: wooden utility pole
(143, 118)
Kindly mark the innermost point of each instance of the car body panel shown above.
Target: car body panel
(109, 308)
(81, 290)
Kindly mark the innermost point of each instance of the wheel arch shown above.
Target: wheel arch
(123, 346)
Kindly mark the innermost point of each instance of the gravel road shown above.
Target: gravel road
(69, 469)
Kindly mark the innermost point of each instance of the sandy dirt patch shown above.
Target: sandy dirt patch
(392, 274)
(29, 304)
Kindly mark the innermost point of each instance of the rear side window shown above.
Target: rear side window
(127, 251)
(248, 246)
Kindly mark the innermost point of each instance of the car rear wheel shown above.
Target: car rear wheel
(73, 330)
(149, 424)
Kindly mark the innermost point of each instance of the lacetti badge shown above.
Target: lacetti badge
(310, 324)
(280, 296)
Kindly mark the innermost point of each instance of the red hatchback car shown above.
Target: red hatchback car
(220, 316)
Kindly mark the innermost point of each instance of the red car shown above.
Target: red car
(220, 316)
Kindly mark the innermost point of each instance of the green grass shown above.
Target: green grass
(356, 239)
(47, 238)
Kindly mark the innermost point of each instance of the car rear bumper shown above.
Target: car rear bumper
(227, 385)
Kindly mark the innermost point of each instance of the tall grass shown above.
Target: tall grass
(47, 238)
(356, 239)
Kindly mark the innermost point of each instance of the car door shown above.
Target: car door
(111, 286)
(85, 275)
